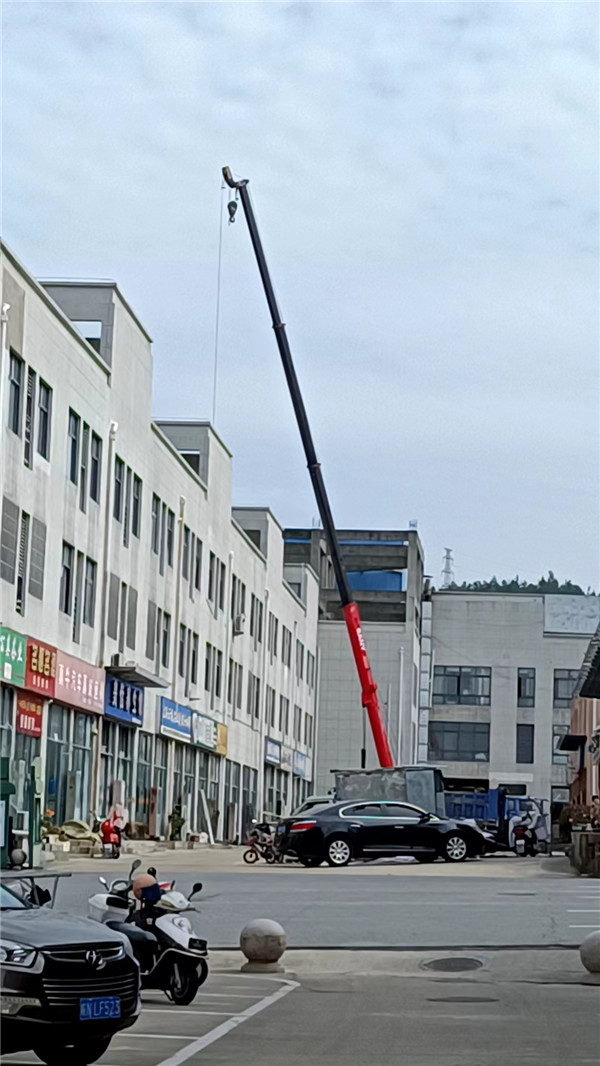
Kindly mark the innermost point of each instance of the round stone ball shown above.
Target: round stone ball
(589, 952)
(263, 941)
(18, 857)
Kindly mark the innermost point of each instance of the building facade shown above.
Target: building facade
(583, 741)
(385, 572)
(502, 672)
(155, 648)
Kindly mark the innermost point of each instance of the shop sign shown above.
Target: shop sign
(13, 653)
(29, 715)
(272, 752)
(221, 748)
(123, 701)
(299, 764)
(79, 684)
(204, 731)
(175, 720)
(40, 673)
(287, 755)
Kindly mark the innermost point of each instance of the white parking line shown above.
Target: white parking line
(596, 926)
(166, 1010)
(226, 1027)
(593, 911)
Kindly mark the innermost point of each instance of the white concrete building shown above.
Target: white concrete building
(502, 670)
(163, 653)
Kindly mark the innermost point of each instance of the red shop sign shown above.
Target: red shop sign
(79, 684)
(40, 672)
(29, 715)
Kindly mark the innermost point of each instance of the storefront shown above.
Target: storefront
(275, 781)
(210, 738)
(301, 786)
(249, 798)
(30, 708)
(123, 716)
(176, 724)
(13, 654)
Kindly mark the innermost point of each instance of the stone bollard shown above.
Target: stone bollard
(263, 943)
(589, 952)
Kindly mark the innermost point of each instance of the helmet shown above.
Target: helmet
(141, 882)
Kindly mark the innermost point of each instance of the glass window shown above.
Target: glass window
(136, 506)
(299, 660)
(185, 561)
(284, 714)
(222, 581)
(73, 460)
(525, 737)
(118, 489)
(308, 730)
(144, 773)
(239, 687)
(83, 467)
(469, 685)
(155, 533)
(15, 397)
(95, 467)
(125, 765)
(298, 724)
(166, 639)
(400, 810)
(107, 765)
(89, 600)
(218, 674)
(170, 536)
(459, 741)
(286, 645)
(57, 761)
(6, 719)
(526, 687)
(66, 579)
(181, 655)
(363, 810)
(160, 782)
(208, 667)
(564, 686)
(82, 757)
(198, 565)
(29, 417)
(44, 419)
(212, 561)
(178, 775)
(194, 666)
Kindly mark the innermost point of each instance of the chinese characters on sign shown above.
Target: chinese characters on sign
(123, 701)
(272, 752)
(175, 720)
(300, 764)
(79, 684)
(41, 667)
(12, 657)
(29, 715)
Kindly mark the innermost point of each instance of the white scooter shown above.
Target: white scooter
(171, 957)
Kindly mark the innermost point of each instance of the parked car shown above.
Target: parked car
(312, 801)
(339, 832)
(68, 983)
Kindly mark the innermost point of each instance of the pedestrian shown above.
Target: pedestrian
(176, 822)
(595, 812)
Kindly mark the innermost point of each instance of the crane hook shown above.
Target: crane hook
(232, 208)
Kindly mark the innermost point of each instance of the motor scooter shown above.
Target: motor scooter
(171, 957)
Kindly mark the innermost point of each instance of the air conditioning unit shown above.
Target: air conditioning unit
(239, 624)
(116, 660)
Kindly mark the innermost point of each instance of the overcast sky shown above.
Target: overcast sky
(425, 177)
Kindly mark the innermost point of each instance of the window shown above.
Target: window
(462, 684)
(181, 656)
(198, 565)
(459, 741)
(44, 419)
(127, 508)
(15, 397)
(298, 724)
(272, 635)
(155, 534)
(66, 579)
(310, 670)
(308, 730)
(166, 639)
(118, 489)
(208, 667)
(559, 757)
(163, 519)
(286, 646)
(73, 457)
(253, 695)
(211, 576)
(526, 687)
(83, 467)
(78, 597)
(185, 562)
(239, 687)
(95, 468)
(194, 667)
(22, 563)
(299, 660)
(222, 579)
(170, 536)
(8, 540)
(218, 674)
(29, 417)
(136, 506)
(284, 714)
(131, 617)
(37, 559)
(89, 595)
(525, 735)
(270, 698)
(6, 719)
(564, 686)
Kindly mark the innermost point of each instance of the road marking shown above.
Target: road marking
(596, 926)
(594, 911)
(166, 1010)
(228, 995)
(226, 1027)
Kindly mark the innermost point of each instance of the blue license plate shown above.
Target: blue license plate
(281, 829)
(97, 1008)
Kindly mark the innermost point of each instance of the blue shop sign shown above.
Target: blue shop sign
(175, 720)
(272, 752)
(123, 701)
(299, 764)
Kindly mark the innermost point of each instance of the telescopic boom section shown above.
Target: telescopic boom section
(350, 609)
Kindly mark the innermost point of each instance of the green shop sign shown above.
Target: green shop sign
(12, 657)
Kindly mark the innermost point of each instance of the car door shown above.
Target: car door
(402, 832)
(365, 827)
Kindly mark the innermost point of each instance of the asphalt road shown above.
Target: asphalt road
(381, 908)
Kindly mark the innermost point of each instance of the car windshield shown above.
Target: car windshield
(9, 901)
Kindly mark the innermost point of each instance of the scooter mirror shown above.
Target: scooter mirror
(103, 881)
(135, 866)
(197, 888)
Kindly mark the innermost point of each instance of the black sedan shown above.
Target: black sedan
(68, 983)
(339, 832)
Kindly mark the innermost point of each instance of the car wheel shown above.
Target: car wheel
(310, 863)
(76, 1054)
(455, 848)
(339, 851)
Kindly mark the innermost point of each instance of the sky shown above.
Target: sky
(425, 176)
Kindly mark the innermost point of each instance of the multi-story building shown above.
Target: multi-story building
(496, 696)
(582, 743)
(385, 572)
(155, 648)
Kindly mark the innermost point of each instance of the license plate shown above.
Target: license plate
(280, 829)
(96, 1008)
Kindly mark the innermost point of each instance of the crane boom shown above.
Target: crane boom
(350, 610)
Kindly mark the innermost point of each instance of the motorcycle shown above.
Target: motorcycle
(170, 955)
(111, 839)
(525, 841)
(261, 844)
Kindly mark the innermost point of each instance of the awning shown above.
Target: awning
(136, 675)
(571, 742)
(588, 684)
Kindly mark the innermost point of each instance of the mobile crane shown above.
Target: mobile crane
(370, 700)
